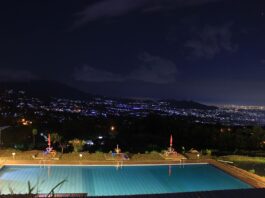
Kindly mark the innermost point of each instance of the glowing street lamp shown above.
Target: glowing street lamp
(13, 154)
(113, 131)
(25, 122)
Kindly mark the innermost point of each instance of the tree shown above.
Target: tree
(77, 144)
(257, 137)
(34, 133)
(56, 138)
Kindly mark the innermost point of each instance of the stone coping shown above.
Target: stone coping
(250, 178)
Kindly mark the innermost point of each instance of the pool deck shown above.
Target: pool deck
(249, 178)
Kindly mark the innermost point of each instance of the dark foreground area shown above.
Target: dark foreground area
(212, 194)
(244, 193)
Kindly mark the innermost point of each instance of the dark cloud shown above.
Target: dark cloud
(16, 75)
(155, 69)
(91, 74)
(210, 41)
(113, 8)
(152, 69)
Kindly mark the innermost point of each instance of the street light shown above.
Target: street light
(13, 154)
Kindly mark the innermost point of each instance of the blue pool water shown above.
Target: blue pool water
(110, 180)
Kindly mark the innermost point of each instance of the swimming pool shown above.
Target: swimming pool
(111, 180)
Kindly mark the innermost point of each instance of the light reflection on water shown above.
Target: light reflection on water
(118, 179)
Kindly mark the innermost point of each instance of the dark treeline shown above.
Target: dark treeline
(139, 134)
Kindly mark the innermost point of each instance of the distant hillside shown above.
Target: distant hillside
(188, 105)
(46, 89)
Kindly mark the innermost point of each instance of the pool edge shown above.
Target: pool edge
(253, 180)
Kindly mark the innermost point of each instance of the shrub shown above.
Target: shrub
(77, 144)
(208, 152)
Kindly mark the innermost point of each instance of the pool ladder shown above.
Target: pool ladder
(119, 165)
(181, 163)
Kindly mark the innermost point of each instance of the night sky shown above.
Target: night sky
(211, 51)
